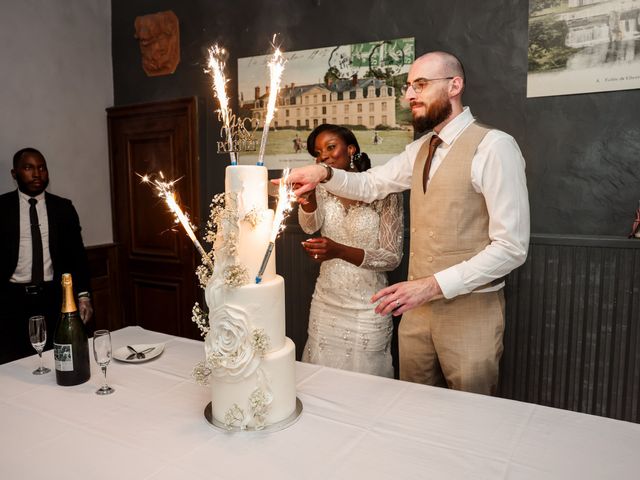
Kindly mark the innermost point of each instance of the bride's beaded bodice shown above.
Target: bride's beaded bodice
(344, 331)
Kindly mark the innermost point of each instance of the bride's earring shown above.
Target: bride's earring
(351, 165)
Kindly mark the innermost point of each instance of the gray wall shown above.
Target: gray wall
(56, 81)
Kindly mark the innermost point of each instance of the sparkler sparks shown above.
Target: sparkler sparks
(217, 58)
(276, 68)
(285, 200)
(166, 191)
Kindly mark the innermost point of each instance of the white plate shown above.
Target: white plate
(122, 354)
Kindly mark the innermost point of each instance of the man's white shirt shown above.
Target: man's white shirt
(22, 273)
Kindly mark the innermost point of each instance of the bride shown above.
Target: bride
(359, 242)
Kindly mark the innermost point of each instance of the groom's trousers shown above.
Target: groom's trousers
(455, 343)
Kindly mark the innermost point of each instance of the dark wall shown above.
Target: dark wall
(581, 150)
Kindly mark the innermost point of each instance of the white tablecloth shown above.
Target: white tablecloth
(352, 426)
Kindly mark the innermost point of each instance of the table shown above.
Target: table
(353, 426)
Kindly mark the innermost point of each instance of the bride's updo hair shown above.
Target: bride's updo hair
(361, 160)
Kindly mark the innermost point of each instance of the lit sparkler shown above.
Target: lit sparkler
(276, 68)
(285, 199)
(166, 191)
(217, 57)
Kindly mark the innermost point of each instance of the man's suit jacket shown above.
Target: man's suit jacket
(65, 240)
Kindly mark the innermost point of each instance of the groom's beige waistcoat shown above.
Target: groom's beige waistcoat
(449, 222)
(459, 339)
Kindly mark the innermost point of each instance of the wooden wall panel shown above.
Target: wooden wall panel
(105, 292)
(156, 303)
(572, 338)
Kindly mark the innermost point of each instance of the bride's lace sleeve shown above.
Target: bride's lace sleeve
(388, 255)
(311, 222)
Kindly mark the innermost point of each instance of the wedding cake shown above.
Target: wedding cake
(251, 360)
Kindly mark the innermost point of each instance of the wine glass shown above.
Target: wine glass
(38, 337)
(102, 354)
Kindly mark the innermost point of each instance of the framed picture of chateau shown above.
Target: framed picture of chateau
(581, 46)
(357, 86)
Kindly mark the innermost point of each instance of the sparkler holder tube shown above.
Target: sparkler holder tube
(263, 145)
(203, 254)
(265, 260)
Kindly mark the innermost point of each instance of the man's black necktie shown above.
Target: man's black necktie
(37, 263)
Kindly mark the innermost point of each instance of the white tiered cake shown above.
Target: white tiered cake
(252, 362)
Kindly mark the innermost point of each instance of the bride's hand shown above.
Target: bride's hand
(321, 248)
(307, 201)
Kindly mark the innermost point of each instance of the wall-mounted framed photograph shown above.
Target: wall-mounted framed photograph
(356, 85)
(582, 46)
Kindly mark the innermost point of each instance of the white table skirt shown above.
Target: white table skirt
(352, 426)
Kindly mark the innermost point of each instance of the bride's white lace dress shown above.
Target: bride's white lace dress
(344, 331)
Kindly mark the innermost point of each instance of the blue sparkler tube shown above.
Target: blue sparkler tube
(265, 260)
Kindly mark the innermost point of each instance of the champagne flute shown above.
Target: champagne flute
(38, 337)
(102, 354)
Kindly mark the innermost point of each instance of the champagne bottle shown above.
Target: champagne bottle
(70, 342)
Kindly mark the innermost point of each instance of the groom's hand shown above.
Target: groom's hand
(304, 179)
(400, 297)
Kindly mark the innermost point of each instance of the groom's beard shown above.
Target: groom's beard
(437, 112)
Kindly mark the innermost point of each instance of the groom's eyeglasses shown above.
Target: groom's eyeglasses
(420, 84)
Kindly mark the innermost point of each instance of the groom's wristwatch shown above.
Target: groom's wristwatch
(329, 172)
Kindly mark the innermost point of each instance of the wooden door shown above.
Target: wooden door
(156, 274)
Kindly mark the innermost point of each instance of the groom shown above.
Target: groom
(469, 229)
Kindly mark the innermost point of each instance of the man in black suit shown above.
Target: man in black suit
(39, 241)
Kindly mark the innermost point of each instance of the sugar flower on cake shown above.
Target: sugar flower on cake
(235, 276)
(229, 344)
(260, 404)
(199, 317)
(260, 341)
(252, 217)
(235, 416)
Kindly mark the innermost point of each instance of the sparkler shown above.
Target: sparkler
(285, 198)
(166, 191)
(276, 68)
(217, 57)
